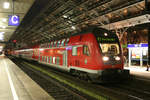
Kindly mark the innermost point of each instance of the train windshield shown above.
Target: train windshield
(110, 48)
(108, 43)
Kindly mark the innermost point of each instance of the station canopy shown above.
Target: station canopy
(54, 19)
(8, 8)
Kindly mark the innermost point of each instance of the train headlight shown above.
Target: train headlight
(119, 71)
(105, 58)
(117, 58)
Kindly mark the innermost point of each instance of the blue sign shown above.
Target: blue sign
(13, 20)
(144, 45)
(137, 45)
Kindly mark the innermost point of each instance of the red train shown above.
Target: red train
(94, 53)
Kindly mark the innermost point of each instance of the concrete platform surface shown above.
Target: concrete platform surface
(16, 85)
(139, 71)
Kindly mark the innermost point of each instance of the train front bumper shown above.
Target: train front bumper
(110, 75)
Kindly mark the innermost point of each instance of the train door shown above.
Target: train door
(65, 59)
(76, 56)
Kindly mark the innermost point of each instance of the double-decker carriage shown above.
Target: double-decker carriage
(94, 53)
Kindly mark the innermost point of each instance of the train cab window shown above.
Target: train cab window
(62, 43)
(74, 51)
(66, 42)
(86, 50)
(46, 45)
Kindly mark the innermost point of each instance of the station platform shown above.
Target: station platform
(16, 85)
(140, 72)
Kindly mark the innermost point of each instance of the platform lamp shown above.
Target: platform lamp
(14, 43)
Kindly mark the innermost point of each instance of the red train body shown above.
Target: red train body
(95, 52)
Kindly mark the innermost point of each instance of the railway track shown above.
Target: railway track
(56, 89)
(105, 92)
(130, 92)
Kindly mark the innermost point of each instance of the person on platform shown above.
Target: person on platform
(147, 67)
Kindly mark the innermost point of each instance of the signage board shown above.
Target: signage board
(13, 20)
(137, 45)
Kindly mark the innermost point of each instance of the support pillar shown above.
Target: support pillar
(147, 6)
(149, 44)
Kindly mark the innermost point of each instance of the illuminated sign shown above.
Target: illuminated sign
(13, 20)
(14, 41)
(106, 39)
(137, 45)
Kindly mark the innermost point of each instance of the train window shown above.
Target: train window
(50, 59)
(42, 58)
(54, 44)
(86, 50)
(45, 45)
(51, 44)
(66, 42)
(53, 60)
(47, 59)
(58, 43)
(111, 48)
(74, 51)
(57, 60)
(48, 45)
(62, 43)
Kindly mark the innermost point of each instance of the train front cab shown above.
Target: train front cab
(98, 53)
(112, 62)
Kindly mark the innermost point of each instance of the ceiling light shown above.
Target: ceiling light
(6, 5)
(105, 34)
(1, 36)
(4, 19)
(1, 47)
(69, 22)
(2, 33)
(3, 26)
(64, 16)
(73, 27)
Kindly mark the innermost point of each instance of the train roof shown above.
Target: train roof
(95, 30)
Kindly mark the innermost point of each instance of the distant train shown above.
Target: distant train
(94, 53)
